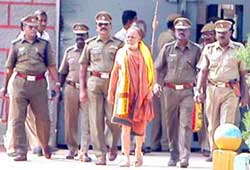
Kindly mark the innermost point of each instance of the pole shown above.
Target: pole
(154, 26)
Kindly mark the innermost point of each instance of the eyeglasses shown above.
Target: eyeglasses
(102, 24)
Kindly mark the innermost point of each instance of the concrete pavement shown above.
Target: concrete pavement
(153, 160)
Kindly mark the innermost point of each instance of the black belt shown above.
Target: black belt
(73, 84)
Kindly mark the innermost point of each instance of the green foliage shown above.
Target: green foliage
(244, 54)
(246, 123)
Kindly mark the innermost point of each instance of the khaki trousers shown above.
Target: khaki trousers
(178, 109)
(33, 93)
(221, 107)
(100, 112)
(75, 112)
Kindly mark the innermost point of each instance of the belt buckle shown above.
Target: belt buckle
(179, 87)
(77, 85)
(31, 78)
(104, 75)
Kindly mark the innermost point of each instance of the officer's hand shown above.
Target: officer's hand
(243, 101)
(157, 89)
(199, 97)
(83, 96)
(3, 92)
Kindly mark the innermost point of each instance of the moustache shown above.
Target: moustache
(105, 29)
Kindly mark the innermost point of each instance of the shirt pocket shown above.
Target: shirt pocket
(172, 61)
(111, 52)
(213, 63)
(96, 54)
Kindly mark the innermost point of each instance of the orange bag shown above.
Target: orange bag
(197, 117)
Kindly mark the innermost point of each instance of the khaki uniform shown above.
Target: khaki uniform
(221, 102)
(72, 104)
(100, 56)
(180, 68)
(159, 128)
(30, 59)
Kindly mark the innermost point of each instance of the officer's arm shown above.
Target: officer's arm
(62, 78)
(9, 72)
(243, 88)
(83, 76)
(201, 86)
(53, 72)
(10, 64)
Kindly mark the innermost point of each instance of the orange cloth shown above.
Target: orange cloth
(140, 91)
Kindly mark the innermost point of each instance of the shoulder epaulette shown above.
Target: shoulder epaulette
(43, 40)
(238, 44)
(90, 39)
(169, 44)
(16, 41)
(117, 39)
(69, 49)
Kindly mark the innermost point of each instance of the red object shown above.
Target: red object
(4, 112)
(37, 77)
(179, 86)
(197, 117)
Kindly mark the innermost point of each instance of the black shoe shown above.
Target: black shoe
(156, 149)
(71, 155)
(146, 150)
(172, 162)
(210, 159)
(38, 150)
(184, 163)
(20, 157)
(206, 153)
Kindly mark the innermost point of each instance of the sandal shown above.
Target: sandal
(138, 161)
(125, 161)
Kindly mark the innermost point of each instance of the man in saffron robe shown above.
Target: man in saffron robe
(130, 91)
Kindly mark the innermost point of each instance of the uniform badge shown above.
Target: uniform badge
(172, 55)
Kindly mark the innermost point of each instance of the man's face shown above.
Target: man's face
(208, 37)
(29, 30)
(132, 38)
(80, 40)
(223, 37)
(182, 34)
(103, 28)
(42, 20)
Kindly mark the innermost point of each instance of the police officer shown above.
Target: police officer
(208, 34)
(30, 56)
(207, 37)
(97, 61)
(159, 141)
(178, 61)
(69, 71)
(168, 35)
(221, 80)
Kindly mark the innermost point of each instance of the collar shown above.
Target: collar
(99, 39)
(230, 44)
(76, 49)
(187, 46)
(24, 40)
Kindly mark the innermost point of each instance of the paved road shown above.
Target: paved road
(155, 161)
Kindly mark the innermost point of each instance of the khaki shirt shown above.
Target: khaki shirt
(165, 37)
(70, 65)
(179, 66)
(222, 65)
(30, 58)
(99, 55)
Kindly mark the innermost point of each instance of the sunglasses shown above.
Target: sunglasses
(102, 24)
(32, 27)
